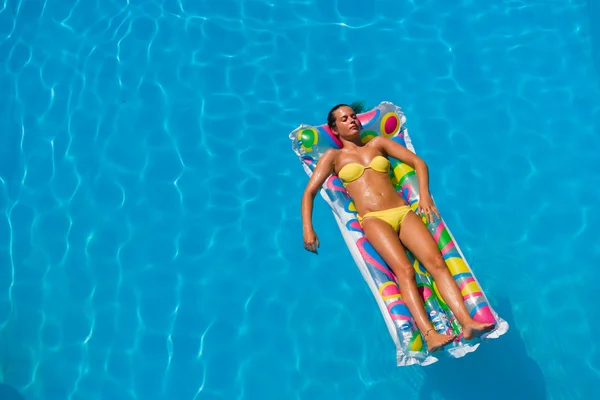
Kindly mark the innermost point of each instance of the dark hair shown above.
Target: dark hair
(357, 106)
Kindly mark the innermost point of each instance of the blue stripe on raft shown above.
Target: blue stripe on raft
(400, 309)
(399, 139)
(370, 122)
(375, 264)
(324, 135)
(354, 226)
(451, 254)
(477, 308)
(347, 206)
(463, 275)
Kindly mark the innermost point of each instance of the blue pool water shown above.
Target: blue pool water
(150, 232)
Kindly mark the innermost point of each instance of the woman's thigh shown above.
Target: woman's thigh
(387, 244)
(417, 238)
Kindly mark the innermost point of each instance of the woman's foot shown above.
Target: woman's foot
(436, 341)
(475, 329)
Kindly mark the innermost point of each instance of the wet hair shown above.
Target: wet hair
(358, 107)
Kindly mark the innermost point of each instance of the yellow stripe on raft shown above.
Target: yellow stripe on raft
(351, 207)
(419, 268)
(471, 287)
(402, 169)
(417, 344)
(457, 266)
(390, 297)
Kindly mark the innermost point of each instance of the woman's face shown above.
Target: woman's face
(347, 124)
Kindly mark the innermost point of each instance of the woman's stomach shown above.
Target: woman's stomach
(374, 193)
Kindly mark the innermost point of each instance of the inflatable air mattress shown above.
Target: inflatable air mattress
(309, 143)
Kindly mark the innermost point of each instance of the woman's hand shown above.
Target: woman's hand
(322, 171)
(311, 241)
(427, 208)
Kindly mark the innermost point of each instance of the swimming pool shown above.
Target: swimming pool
(151, 238)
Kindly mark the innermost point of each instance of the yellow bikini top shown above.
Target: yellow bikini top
(353, 171)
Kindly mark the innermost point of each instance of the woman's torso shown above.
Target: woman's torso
(373, 190)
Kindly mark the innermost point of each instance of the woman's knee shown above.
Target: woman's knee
(435, 264)
(405, 272)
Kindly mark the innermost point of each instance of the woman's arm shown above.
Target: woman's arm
(322, 171)
(396, 150)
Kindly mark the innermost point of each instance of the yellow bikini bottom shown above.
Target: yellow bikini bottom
(393, 216)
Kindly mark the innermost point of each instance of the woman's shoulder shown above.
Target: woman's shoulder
(330, 154)
(377, 141)
(336, 157)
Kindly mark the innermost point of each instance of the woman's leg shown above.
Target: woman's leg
(416, 237)
(387, 244)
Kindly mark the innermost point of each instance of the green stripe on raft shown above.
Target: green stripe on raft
(403, 172)
(444, 239)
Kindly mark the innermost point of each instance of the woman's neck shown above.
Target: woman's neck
(351, 143)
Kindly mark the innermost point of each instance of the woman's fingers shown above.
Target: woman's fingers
(429, 214)
(312, 246)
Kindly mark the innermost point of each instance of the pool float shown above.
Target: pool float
(309, 142)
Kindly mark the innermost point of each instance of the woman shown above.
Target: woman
(388, 222)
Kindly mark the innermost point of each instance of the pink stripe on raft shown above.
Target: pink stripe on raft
(356, 225)
(425, 292)
(438, 231)
(372, 261)
(484, 315)
(466, 282)
(398, 316)
(471, 295)
(447, 248)
(409, 188)
(333, 137)
(395, 303)
(331, 186)
(366, 117)
(329, 183)
(390, 290)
